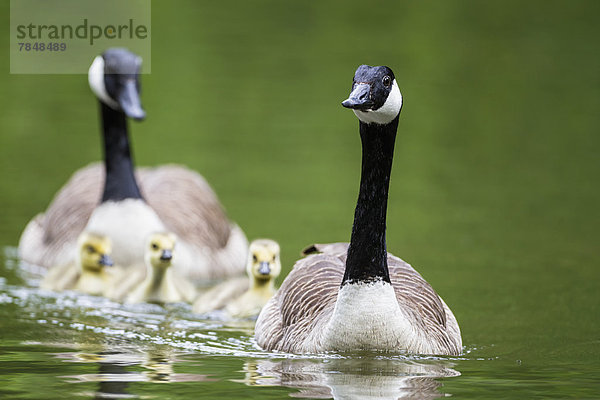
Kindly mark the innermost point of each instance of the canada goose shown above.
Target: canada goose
(245, 297)
(88, 274)
(363, 298)
(107, 199)
(161, 284)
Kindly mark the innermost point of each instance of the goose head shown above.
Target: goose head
(263, 260)
(159, 250)
(94, 252)
(114, 79)
(375, 96)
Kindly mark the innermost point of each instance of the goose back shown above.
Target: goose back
(296, 317)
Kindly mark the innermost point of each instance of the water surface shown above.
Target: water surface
(494, 194)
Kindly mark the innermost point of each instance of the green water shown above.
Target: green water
(494, 194)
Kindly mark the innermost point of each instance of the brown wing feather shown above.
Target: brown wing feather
(308, 292)
(416, 292)
(72, 206)
(186, 204)
(47, 239)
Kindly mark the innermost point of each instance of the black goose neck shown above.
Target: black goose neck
(120, 180)
(367, 253)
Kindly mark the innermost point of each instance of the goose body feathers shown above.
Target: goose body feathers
(302, 318)
(177, 199)
(115, 200)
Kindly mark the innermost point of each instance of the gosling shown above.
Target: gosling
(245, 297)
(161, 284)
(87, 274)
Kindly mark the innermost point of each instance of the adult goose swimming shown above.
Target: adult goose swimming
(358, 296)
(127, 205)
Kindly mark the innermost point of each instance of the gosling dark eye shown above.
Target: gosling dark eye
(254, 258)
(90, 249)
(154, 246)
(274, 257)
(387, 81)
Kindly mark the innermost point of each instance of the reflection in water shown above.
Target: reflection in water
(141, 344)
(113, 374)
(159, 367)
(109, 387)
(352, 378)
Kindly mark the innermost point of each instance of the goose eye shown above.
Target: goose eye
(274, 257)
(154, 246)
(90, 249)
(387, 81)
(254, 258)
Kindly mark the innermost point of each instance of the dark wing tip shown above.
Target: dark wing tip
(334, 249)
(311, 249)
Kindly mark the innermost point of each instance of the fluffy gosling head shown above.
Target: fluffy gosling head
(263, 260)
(94, 252)
(159, 250)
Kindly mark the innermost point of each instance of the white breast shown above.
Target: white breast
(367, 316)
(128, 223)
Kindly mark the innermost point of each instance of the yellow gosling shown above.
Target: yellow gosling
(243, 297)
(88, 273)
(161, 284)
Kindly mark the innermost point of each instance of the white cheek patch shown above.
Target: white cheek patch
(96, 80)
(387, 112)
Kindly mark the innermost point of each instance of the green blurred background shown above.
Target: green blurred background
(494, 193)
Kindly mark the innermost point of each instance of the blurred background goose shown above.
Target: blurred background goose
(362, 298)
(245, 297)
(127, 206)
(88, 273)
(161, 283)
